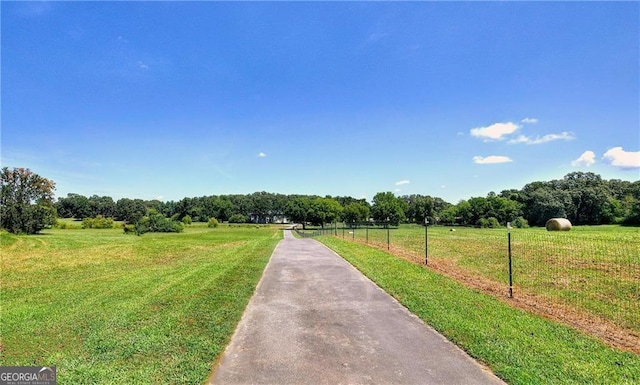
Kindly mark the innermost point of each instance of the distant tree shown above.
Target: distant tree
(130, 210)
(26, 201)
(355, 212)
(324, 210)
(238, 218)
(298, 209)
(75, 206)
(387, 208)
(104, 206)
(419, 207)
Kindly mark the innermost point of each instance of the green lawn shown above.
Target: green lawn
(104, 307)
(519, 347)
(593, 269)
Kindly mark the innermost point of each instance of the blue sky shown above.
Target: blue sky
(172, 99)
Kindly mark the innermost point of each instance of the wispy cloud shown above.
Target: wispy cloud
(401, 182)
(542, 139)
(397, 190)
(143, 66)
(588, 158)
(626, 160)
(493, 159)
(262, 155)
(35, 8)
(375, 37)
(529, 121)
(496, 131)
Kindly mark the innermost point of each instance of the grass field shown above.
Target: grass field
(592, 269)
(519, 347)
(104, 307)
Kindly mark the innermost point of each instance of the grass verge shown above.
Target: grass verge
(519, 347)
(109, 308)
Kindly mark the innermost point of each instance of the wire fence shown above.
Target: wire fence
(594, 271)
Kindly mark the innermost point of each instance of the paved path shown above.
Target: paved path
(315, 319)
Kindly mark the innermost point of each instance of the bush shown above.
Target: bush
(187, 220)
(520, 223)
(99, 222)
(238, 218)
(490, 222)
(155, 222)
(213, 222)
(493, 222)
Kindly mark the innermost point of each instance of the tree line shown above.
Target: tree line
(28, 205)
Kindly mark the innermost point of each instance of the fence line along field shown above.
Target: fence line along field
(588, 277)
(107, 307)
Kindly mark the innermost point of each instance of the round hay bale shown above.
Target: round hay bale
(558, 224)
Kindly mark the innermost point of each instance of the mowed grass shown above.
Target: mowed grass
(594, 269)
(519, 347)
(109, 308)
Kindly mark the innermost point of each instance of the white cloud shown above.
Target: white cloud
(262, 155)
(443, 186)
(495, 131)
(397, 190)
(587, 159)
(623, 159)
(529, 121)
(491, 159)
(159, 198)
(542, 139)
(401, 182)
(143, 66)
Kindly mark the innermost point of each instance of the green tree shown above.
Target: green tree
(419, 207)
(388, 209)
(355, 212)
(75, 206)
(26, 201)
(238, 218)
(298, 209)
(324, 210)
(130, 210)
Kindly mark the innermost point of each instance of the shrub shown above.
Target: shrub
(493, 222)
(238, 218)
(520, 223)
(99, 222)
(213, 222)
(187, 220)
(155, 222)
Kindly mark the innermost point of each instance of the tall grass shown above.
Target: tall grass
(104, 307)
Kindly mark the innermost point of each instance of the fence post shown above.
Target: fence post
(388, 243)
(426, 241)
(342, 230)
(510, 267)
(366, 229)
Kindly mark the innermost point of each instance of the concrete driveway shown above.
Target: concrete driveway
(315, 319)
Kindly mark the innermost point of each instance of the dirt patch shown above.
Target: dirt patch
(598, 327)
